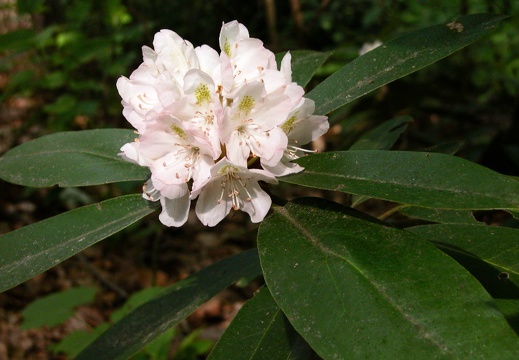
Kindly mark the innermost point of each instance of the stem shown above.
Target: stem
(99, 276)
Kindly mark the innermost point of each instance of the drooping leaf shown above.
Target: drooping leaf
(418, 178)
(29, 251)
(304, 64)
(260, 330)
(398, 58)
(153, 318)
(75, 158)
(384, 136)
(357, 289)
(497, 246)
(56, 308)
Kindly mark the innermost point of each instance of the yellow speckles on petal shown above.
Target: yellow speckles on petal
(179, 132)
(246, 104)
(228, 169)
(202, 94)
(227, 48)
(289, 124)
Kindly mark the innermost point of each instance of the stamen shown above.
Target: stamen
(291, 151)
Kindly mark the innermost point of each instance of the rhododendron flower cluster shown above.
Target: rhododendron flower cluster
(212, 126)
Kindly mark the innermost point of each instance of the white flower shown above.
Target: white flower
(301, 128)
(232, 187)
(208, 121)
(250, 125)
(175, 210)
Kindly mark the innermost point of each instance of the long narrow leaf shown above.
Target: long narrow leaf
(27, 252)
(260, 330)
(150, 320)
(75, 158)
(398, 58)
(418, 178)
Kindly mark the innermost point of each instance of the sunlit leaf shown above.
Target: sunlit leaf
(417, 178)
(358, 289)
(29, 251)
(398, 58)
(76, 158)
(153, 318)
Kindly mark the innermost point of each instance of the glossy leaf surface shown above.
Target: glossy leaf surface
(398, 58)
(29, 251)
(418, 178)
(353, 286)
(75, 158)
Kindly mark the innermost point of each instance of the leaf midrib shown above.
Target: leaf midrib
(7, 268)
(407, 319)
(416, 186)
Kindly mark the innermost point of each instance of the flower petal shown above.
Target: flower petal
(174, 211)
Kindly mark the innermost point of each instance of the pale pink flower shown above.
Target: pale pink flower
(301, 127)
(250, 125)
(232, 187)
(206, 121)
(245, 60)
(175, 209)
(200, 109)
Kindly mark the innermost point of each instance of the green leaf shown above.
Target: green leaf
(398, 58)
(497, 246)
(159, 347)
(136, 300)
(439, 215)
(260, 330)
(17, 40)
(30, 6)
(510, 309)
(384, 136)
(450, 148)
(29, 251)
(193, 347)
(304, 63)
(418, 178)
(357, 289)
(56, 308)
(77, 340)
(150, 320)
(76, 158)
